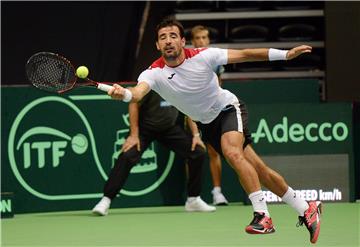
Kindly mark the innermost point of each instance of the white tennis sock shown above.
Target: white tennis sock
(300, 205)
(216, 190)
(258, 202)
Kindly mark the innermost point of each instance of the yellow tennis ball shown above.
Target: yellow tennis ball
(82, 72)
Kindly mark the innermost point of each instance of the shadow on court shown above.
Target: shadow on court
(114, 212)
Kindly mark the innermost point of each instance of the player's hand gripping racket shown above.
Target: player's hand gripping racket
(54, 73)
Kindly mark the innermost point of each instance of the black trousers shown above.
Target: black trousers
(176, 139)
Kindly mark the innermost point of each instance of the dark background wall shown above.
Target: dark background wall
(342, 21)
(104, 35)
(100, 35)
(148, 52)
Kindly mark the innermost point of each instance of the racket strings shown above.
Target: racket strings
(50, 72)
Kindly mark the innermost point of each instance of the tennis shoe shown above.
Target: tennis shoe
(261, 224)
(102, 208)
(198, 205)
(219, 199)
(312, 220)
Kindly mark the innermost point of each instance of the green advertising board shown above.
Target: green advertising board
(58, 150)
(301, 128)
(6, 202)
(311, 145)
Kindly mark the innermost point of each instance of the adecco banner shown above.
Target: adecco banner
(301, 128)
(311, 145)
(58, 150)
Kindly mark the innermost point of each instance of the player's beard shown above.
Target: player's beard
(173, 56)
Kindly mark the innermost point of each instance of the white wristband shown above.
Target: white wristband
(275, 54)
(127, 95)
(197, 135)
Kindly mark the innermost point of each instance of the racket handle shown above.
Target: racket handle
(104, 87)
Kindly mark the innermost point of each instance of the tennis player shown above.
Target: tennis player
(185, 78)
(155, 119)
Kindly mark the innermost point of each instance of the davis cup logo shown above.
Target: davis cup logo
(145, 169)
(56, 156)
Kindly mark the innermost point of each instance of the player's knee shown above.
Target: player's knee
(234, 156)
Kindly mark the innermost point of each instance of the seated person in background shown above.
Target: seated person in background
(200, 38)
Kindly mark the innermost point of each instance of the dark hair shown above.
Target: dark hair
(168, 22)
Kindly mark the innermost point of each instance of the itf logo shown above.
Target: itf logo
(39, 149)
(50, 139)
(148, 160)
(53, 153)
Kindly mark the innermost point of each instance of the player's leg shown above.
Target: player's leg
(232, 148)
(268, 177)
(180, 142)
(215, 165)
(309, 212)
(121, 170)
(119, 174)
(215, 169)
(225, 134)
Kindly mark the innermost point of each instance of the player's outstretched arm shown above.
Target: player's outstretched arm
(297, 51)
(265, 54)
(133, 94)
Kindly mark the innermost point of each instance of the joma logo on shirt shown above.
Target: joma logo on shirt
(170, 77)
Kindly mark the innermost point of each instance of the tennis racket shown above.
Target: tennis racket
(54, 73)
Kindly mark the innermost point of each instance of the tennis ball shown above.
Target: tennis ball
(82, 72)
(79, 144)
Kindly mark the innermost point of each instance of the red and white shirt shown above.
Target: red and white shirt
(192, 87)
